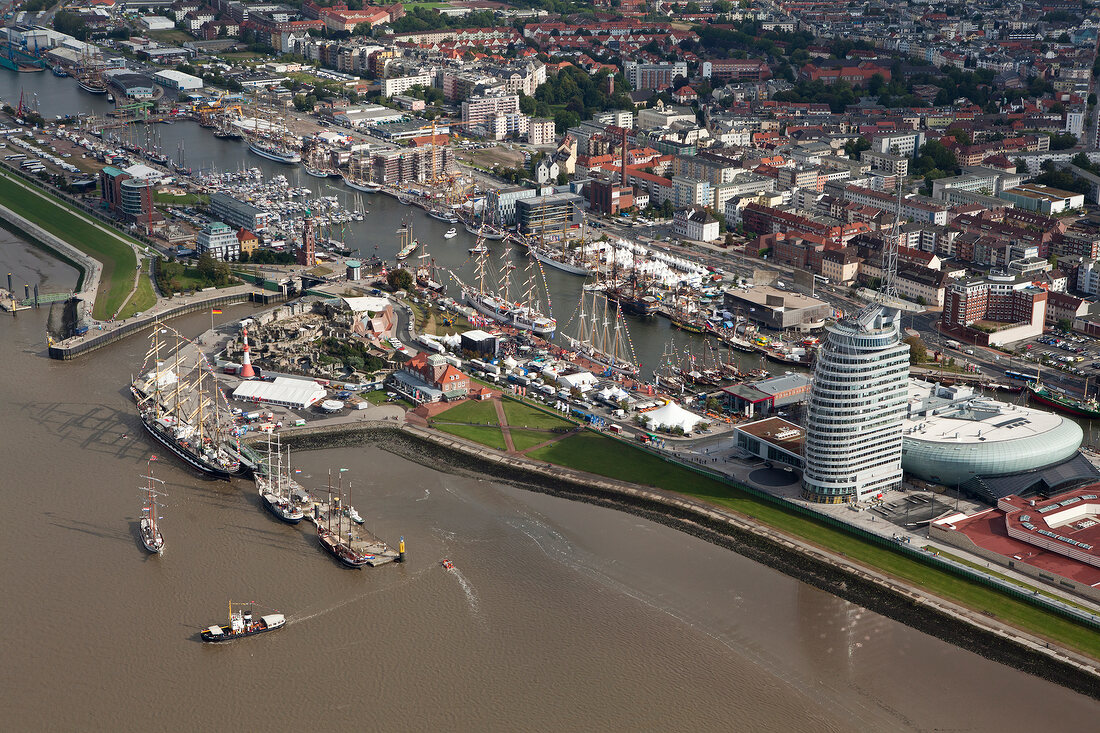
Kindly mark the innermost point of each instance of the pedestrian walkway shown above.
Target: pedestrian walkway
(503, 420)
(553, 440)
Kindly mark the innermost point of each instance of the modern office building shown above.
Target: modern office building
(219, 240)
(857, 407)
(501, 203)
(553, 213)
(240, 214)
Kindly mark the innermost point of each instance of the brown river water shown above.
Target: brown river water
(558, 616)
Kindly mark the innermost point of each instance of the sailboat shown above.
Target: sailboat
(150, 522)
(276, 486)
(333, 540)
(180, 165)
(523, 315)
(567, 259)
(600, 341)
(181, 412)
(407, 243)
(425, 272)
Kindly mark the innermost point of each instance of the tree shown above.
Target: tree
(1065, 324)
(918, 351)
(400, 280)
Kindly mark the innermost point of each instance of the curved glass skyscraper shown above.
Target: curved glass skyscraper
(857, 404)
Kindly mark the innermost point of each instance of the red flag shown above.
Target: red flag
(152, 458)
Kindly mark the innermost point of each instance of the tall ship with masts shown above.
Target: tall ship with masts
(149, 526)
(90, 76)
(331, 535)
(497, 304)
(602, 337)
(276, 486)
(182, 408)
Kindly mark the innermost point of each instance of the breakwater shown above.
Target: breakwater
(829, 571)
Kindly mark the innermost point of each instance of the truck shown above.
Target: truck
(953, 344)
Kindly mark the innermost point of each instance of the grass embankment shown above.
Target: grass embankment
(117, 257)
(143, 298)
(606, 457)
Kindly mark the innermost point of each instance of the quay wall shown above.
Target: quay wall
(79, 346)
(821, 568)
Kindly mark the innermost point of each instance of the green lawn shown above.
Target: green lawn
(173, 35)
(118, 259)
(525, 416)
(143, 299)
(187, 199)
(376, 397)
(471, 411)
(488, 435)
(607, 457)
(524, 439)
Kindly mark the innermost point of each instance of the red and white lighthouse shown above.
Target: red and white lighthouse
(246, 360)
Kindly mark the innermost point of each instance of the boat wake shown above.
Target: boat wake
(299, 619)
(427, 493)
(471, 596)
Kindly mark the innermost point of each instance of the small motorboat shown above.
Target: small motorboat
(451, 233)
(448, 564)
(480, 248)
(353, 515)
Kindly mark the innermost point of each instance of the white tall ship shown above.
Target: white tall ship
(523, 314)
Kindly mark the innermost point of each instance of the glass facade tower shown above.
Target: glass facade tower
(857, 405)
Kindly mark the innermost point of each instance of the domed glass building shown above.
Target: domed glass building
(953, 435)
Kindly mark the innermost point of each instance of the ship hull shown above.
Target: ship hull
(91, 89)
(287, 158)
(508, 317)
(364, 186)
(686, 326)
(184, 455)
(545, 259)
(443, 216)
(1063, 406)
(152, 540)
(347, 558)
(226, 636)
(273, 507)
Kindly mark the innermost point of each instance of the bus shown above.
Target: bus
(1022, 376)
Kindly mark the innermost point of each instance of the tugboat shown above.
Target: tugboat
(242, 623)
(150, 529)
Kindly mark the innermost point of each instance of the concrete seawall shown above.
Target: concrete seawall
(90, 268)
(822, 568)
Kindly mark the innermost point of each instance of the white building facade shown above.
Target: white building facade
(857, 407)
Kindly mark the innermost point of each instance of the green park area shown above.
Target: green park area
(477, 421)
(113, 251)
(144, 298)
(614, 459)
(180, 199)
